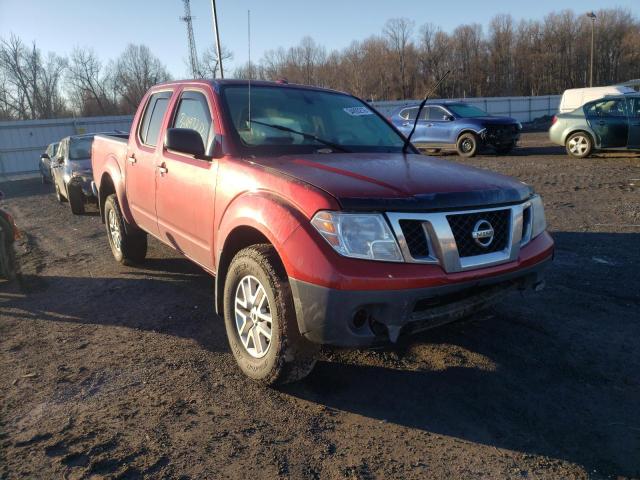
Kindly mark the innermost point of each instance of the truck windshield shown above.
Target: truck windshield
(80, 148)
(467, 111)
(312, 120)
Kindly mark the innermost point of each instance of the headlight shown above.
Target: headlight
(358, 235)
(538, 222)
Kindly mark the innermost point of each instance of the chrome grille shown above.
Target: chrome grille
(415, 237)
(462, 226)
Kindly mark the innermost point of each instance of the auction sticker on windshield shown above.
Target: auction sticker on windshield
(358, 111)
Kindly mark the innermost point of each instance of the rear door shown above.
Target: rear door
(608, 119)
(186, 185)
(633, 105)
(141, 161)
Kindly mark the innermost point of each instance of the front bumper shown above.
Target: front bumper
(365, 318)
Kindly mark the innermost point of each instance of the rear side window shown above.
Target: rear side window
(193, 112)
(607, 108)
(152, 119)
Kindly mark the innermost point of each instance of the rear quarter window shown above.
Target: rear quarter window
(152, 118)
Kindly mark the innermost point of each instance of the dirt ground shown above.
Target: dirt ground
(116, 372)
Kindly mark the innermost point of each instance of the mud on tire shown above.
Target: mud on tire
(128, 246)
(289, 356)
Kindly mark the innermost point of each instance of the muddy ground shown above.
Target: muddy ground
(109, 371)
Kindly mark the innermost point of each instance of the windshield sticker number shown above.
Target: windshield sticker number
(357, 111)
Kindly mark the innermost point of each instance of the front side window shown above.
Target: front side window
(268, 124)
(152, 119)
(438, 114)
(467, 111)
(193, 112)
(607, 108)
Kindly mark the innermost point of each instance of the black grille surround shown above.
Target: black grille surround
(415, 238)
(462, 225)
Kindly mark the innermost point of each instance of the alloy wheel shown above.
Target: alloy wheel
(253, 316)
(579, 145)
(114, 230)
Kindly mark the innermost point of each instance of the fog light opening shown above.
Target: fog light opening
(360, 318)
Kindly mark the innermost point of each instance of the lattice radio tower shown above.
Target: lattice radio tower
(193, 54)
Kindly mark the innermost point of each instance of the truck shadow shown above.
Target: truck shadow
(555, 374)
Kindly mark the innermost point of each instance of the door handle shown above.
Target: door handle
(162, 169)
(132, 159)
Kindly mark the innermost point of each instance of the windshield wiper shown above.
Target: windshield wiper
(308, 136)
(415, 123)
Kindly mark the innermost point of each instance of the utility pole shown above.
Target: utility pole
(593, 17)
(216, 31)
(193, 55)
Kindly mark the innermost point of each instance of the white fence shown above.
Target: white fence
(22, 142)
(523, 109)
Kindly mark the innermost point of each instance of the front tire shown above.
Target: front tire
(76, 199)
(260, 319)
(579, 145)
(467, 145)
(59, 196)
(128, 247)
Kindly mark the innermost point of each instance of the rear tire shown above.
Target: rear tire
(467, 145)
(76, 199)
(128, 246)
(260, 319)
(579, 145)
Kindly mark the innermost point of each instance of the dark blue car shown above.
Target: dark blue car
(458, 126)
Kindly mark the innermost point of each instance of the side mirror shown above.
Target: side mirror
(184, 140)
(44, 156)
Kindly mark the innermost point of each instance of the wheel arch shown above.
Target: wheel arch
(253, 218)
(580, 129)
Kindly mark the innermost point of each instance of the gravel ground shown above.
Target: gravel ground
(109, 371)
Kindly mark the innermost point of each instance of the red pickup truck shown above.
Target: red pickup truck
(318, 227)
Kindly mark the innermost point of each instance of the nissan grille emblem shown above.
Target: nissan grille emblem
(482, 233)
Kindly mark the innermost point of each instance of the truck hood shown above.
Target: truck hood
(365, 181)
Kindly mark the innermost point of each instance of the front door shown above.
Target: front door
(608, 120)
(439, 125)
(141, 163)
(186, 185)
(634, 122)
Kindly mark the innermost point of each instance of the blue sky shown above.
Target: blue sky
(107, 26)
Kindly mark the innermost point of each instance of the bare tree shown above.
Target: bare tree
(398, 32)
(135, 71)
(30, 85)
(209, 64)
(87, 84)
